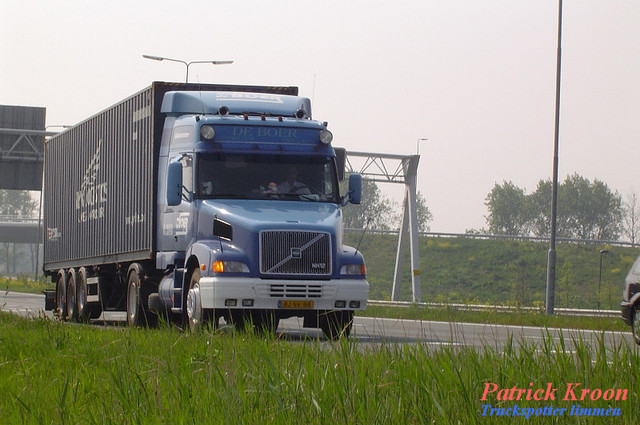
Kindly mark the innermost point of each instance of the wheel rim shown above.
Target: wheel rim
(194, 307)
(81, 295)
(636, 324)
(71, 296)
(132, 303)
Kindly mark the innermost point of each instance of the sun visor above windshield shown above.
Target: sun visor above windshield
(235, 103)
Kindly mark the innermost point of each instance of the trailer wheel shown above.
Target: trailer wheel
(71, 295)
(138, 291)
(336, 324)
(134, 301)
(61, 296)
(85, 311)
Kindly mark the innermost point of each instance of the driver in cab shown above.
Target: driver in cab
(292, 185)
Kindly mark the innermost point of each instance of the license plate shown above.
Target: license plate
(297, 304)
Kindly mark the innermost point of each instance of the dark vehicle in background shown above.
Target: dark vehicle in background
(630, 305)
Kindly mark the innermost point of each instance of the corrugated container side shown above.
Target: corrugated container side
(100, 177)
(99, 186)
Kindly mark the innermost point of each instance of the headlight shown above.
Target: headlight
(354, 270)
(326, 137)
(229, 267)
(207, 132)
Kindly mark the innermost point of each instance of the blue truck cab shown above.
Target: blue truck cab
(246, 220)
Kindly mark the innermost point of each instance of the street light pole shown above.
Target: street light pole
(422, 139)
(185, 63)
(602, 252)
(551, 259)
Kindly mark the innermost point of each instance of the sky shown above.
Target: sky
(476, 78)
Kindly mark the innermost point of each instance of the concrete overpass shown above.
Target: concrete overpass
(19, 230)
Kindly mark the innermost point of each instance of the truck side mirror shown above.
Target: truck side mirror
(355, 188)
(341, 159)
(174, 184)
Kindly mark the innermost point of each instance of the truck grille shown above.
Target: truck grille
(295, 253)
(296, 290)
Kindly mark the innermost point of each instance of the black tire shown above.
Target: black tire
(238, 319)
(336, 324)
(72, 314)
(84, 310)
(61, 296)
(196, 316)
(265, 322)
(138, 291)
(635, 324)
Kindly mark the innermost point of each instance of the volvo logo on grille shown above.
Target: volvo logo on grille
(296, 253)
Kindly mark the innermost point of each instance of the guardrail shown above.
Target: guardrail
(499, 308)
(18, 219)
(499, 237)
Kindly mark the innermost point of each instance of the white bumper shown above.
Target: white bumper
(269, 293)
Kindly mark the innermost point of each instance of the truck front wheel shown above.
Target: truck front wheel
(196, 315)
(85, 310)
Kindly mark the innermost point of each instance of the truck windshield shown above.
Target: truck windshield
(277, 177)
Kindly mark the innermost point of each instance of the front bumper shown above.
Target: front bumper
(216, 292)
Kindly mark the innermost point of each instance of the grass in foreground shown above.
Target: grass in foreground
(52, 372)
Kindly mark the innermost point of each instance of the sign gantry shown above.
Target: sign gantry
(402, 169)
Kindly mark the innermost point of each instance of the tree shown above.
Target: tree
(631, 217)
(592, 210)
(540, 209)
(586, 210)
(423, 213)
(508, 210)
(15, 203)
(378, 212)
(374, 212)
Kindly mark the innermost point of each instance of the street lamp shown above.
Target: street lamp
(418, 144)
(159, 58)
(551, 257)
(602, 252)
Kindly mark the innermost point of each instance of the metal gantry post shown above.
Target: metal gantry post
(381, 168)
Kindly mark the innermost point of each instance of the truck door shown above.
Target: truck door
(179, 219)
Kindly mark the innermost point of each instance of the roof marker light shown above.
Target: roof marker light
(207, 132)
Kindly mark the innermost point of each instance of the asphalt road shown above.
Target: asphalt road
(376, 331)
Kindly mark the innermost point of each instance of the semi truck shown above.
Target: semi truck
(202, 202)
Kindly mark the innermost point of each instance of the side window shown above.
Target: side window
(187, 172)
(327, 178)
